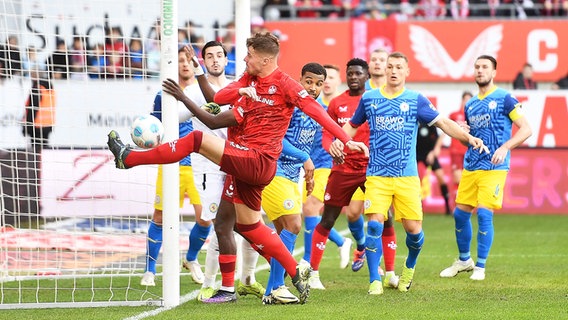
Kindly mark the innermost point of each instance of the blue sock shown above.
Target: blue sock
(358, 232)
(414, 243)
(484, 236)
(277, 271)
(154, 244)
(197, 238)
(335, 237)
(463, 233)
(374, 248)
(310, 225)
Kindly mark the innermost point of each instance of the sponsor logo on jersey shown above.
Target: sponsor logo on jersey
(342, 108)
(267, 101)
(343, 120)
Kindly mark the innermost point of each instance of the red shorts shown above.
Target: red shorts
(457, 161)
(341, 186)
(249, 171)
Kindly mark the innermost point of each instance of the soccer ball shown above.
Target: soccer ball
(147, 131)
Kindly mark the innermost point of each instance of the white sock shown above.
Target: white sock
(250, 258)
(211, 262)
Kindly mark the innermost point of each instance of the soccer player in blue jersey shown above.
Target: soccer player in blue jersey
(377, 68)
(281, 199)
(313, 202)
(377, 71)
(393, 113)
(201, 229)
(490, 115)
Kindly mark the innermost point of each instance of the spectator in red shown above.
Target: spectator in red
(457, 149)
(459, 9)
(346, 7)
(431, 9)
(308, 8)
(116, 52)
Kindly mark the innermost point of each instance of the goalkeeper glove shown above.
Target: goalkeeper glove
(212, 108)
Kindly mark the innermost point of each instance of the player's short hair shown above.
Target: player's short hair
(314, 68)
(331, 66)
(398, 55)
(264, 42)
(358, 62)
(212, 44)
(490, 58)
(379, 50)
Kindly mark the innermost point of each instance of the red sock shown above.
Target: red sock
(319, 238)
(267, 239)
(169, 152)
(227, 266)
(389, 247)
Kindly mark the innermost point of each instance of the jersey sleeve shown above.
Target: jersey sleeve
(359, 117)
(512, 107)
(230, 93)
(427, 113)
(291, 151)
(326, 136)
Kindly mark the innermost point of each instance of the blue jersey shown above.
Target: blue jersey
(320, 157)
(300, 135)
(369, 85)
(490, 118)
(393, 122)
(184, 128)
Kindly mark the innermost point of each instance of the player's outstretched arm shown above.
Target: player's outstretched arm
(222, 120)
(452, 129)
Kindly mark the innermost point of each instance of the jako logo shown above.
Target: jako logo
(433, 56)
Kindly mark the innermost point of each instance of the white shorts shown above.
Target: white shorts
(210, 188)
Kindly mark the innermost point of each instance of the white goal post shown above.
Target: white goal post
(72, 227)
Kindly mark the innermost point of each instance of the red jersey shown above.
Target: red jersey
(264, 122)
(341, 109)
(456, 147)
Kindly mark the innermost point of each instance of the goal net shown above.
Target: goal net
(72, 227)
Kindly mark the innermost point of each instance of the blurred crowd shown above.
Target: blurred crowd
(413, 9)
(115, 58)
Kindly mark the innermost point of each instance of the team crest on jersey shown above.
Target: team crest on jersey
(492, 105)
(288, 204)
(404, 107)
(213, 208)
(272, 89)
(303, 94)
(367, 204)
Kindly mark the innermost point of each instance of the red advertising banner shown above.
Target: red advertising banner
(537, 183)
(446, 50)
(325, 42)
(439, 51)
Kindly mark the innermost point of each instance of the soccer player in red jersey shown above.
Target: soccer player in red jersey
(347, 177)
(263, 101)
(457, 149)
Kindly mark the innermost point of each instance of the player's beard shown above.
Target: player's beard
(483, 83)
(215, 73)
